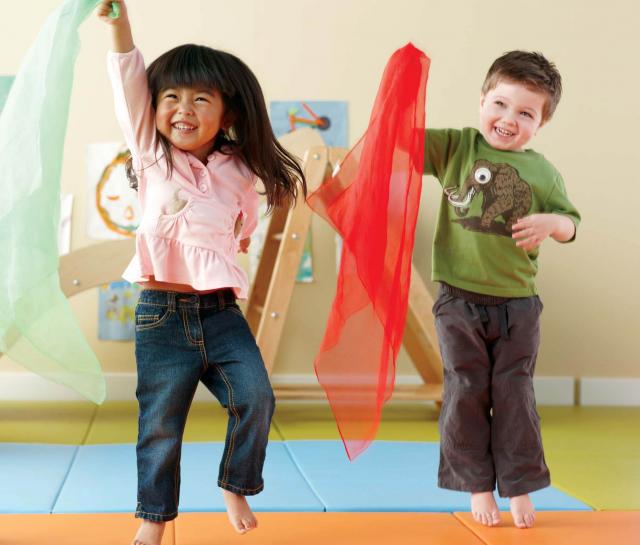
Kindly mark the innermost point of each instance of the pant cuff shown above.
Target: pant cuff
(449, 484)
(240, 490)
(154, 517)
(523, 488)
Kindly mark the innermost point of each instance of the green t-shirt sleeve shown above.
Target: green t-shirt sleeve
(439, 147)
(558, 202)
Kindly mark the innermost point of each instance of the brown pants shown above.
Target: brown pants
(489, 426)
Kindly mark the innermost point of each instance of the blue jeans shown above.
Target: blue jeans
(182, 339)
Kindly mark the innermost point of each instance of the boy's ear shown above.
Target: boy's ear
(482, 97)
(542, 124)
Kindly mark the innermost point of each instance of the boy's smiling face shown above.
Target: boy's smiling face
(510, 115)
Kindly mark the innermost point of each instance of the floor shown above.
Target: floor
(69, 470)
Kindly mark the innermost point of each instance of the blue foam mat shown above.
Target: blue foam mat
(31, 476)
(103, 480)
(393, 476)
(285, 488)
(299, 476)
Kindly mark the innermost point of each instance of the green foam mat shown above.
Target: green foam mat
(117, 422)
(593, 453)
(49, 422)
(400, 422)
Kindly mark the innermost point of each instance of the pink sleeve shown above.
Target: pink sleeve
(133, 104)
(249, 212)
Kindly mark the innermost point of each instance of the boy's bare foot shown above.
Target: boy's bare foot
(524, 515)
(484, 508)
(149, 533)
(239, 512)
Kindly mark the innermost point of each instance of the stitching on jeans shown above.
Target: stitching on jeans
(154, 325)
(155, 514)
(235, 426)
(176, 474)
(183, 313)
(176, 483)
(241, 489)
(203, 351)
(148, 317)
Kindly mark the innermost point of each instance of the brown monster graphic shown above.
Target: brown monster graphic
(504, 194)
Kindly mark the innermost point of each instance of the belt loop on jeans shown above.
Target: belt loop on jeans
(171, 300)
(220, 294)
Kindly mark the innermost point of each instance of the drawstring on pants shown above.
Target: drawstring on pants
(503, 317)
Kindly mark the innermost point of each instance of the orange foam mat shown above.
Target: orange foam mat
(560, 527)
(327, 528)
(103, 529)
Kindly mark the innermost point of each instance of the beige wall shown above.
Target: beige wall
(336, 50)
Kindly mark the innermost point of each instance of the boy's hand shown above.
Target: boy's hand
(530, 231)
(104, 9)
(244, 245)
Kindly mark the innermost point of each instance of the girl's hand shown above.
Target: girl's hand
(121, 38)
(105, 8)
(244, 245)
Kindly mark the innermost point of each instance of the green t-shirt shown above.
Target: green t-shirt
(485, 191)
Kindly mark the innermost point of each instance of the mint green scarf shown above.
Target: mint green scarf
(37, 327)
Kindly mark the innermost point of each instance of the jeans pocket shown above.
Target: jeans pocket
(149, 315)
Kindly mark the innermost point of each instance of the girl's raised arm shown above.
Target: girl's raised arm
(122, 39)
(133, 102)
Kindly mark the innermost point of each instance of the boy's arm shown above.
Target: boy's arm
(530, 231)
(559, 221)
(439, 147)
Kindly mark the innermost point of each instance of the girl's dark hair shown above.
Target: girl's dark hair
(250, 136)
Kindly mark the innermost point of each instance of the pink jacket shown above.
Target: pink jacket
(186, 234)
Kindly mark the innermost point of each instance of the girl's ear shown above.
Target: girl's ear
(228, 120)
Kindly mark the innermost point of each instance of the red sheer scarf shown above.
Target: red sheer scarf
(372, 202)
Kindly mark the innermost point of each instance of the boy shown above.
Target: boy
(500, 201)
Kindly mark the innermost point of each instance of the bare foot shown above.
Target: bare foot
(484, 508)
(239, 512)
(149, 533)
(524, 515)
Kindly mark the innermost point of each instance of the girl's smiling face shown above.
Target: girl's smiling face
(510, 115)
(190, 118)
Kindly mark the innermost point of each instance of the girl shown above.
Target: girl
(199, 135)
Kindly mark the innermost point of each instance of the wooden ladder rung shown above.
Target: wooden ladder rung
(422, 392)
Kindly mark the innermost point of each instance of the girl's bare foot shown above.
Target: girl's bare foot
(239, 512)
(484, 508)
(524, 515)
(149, 533)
